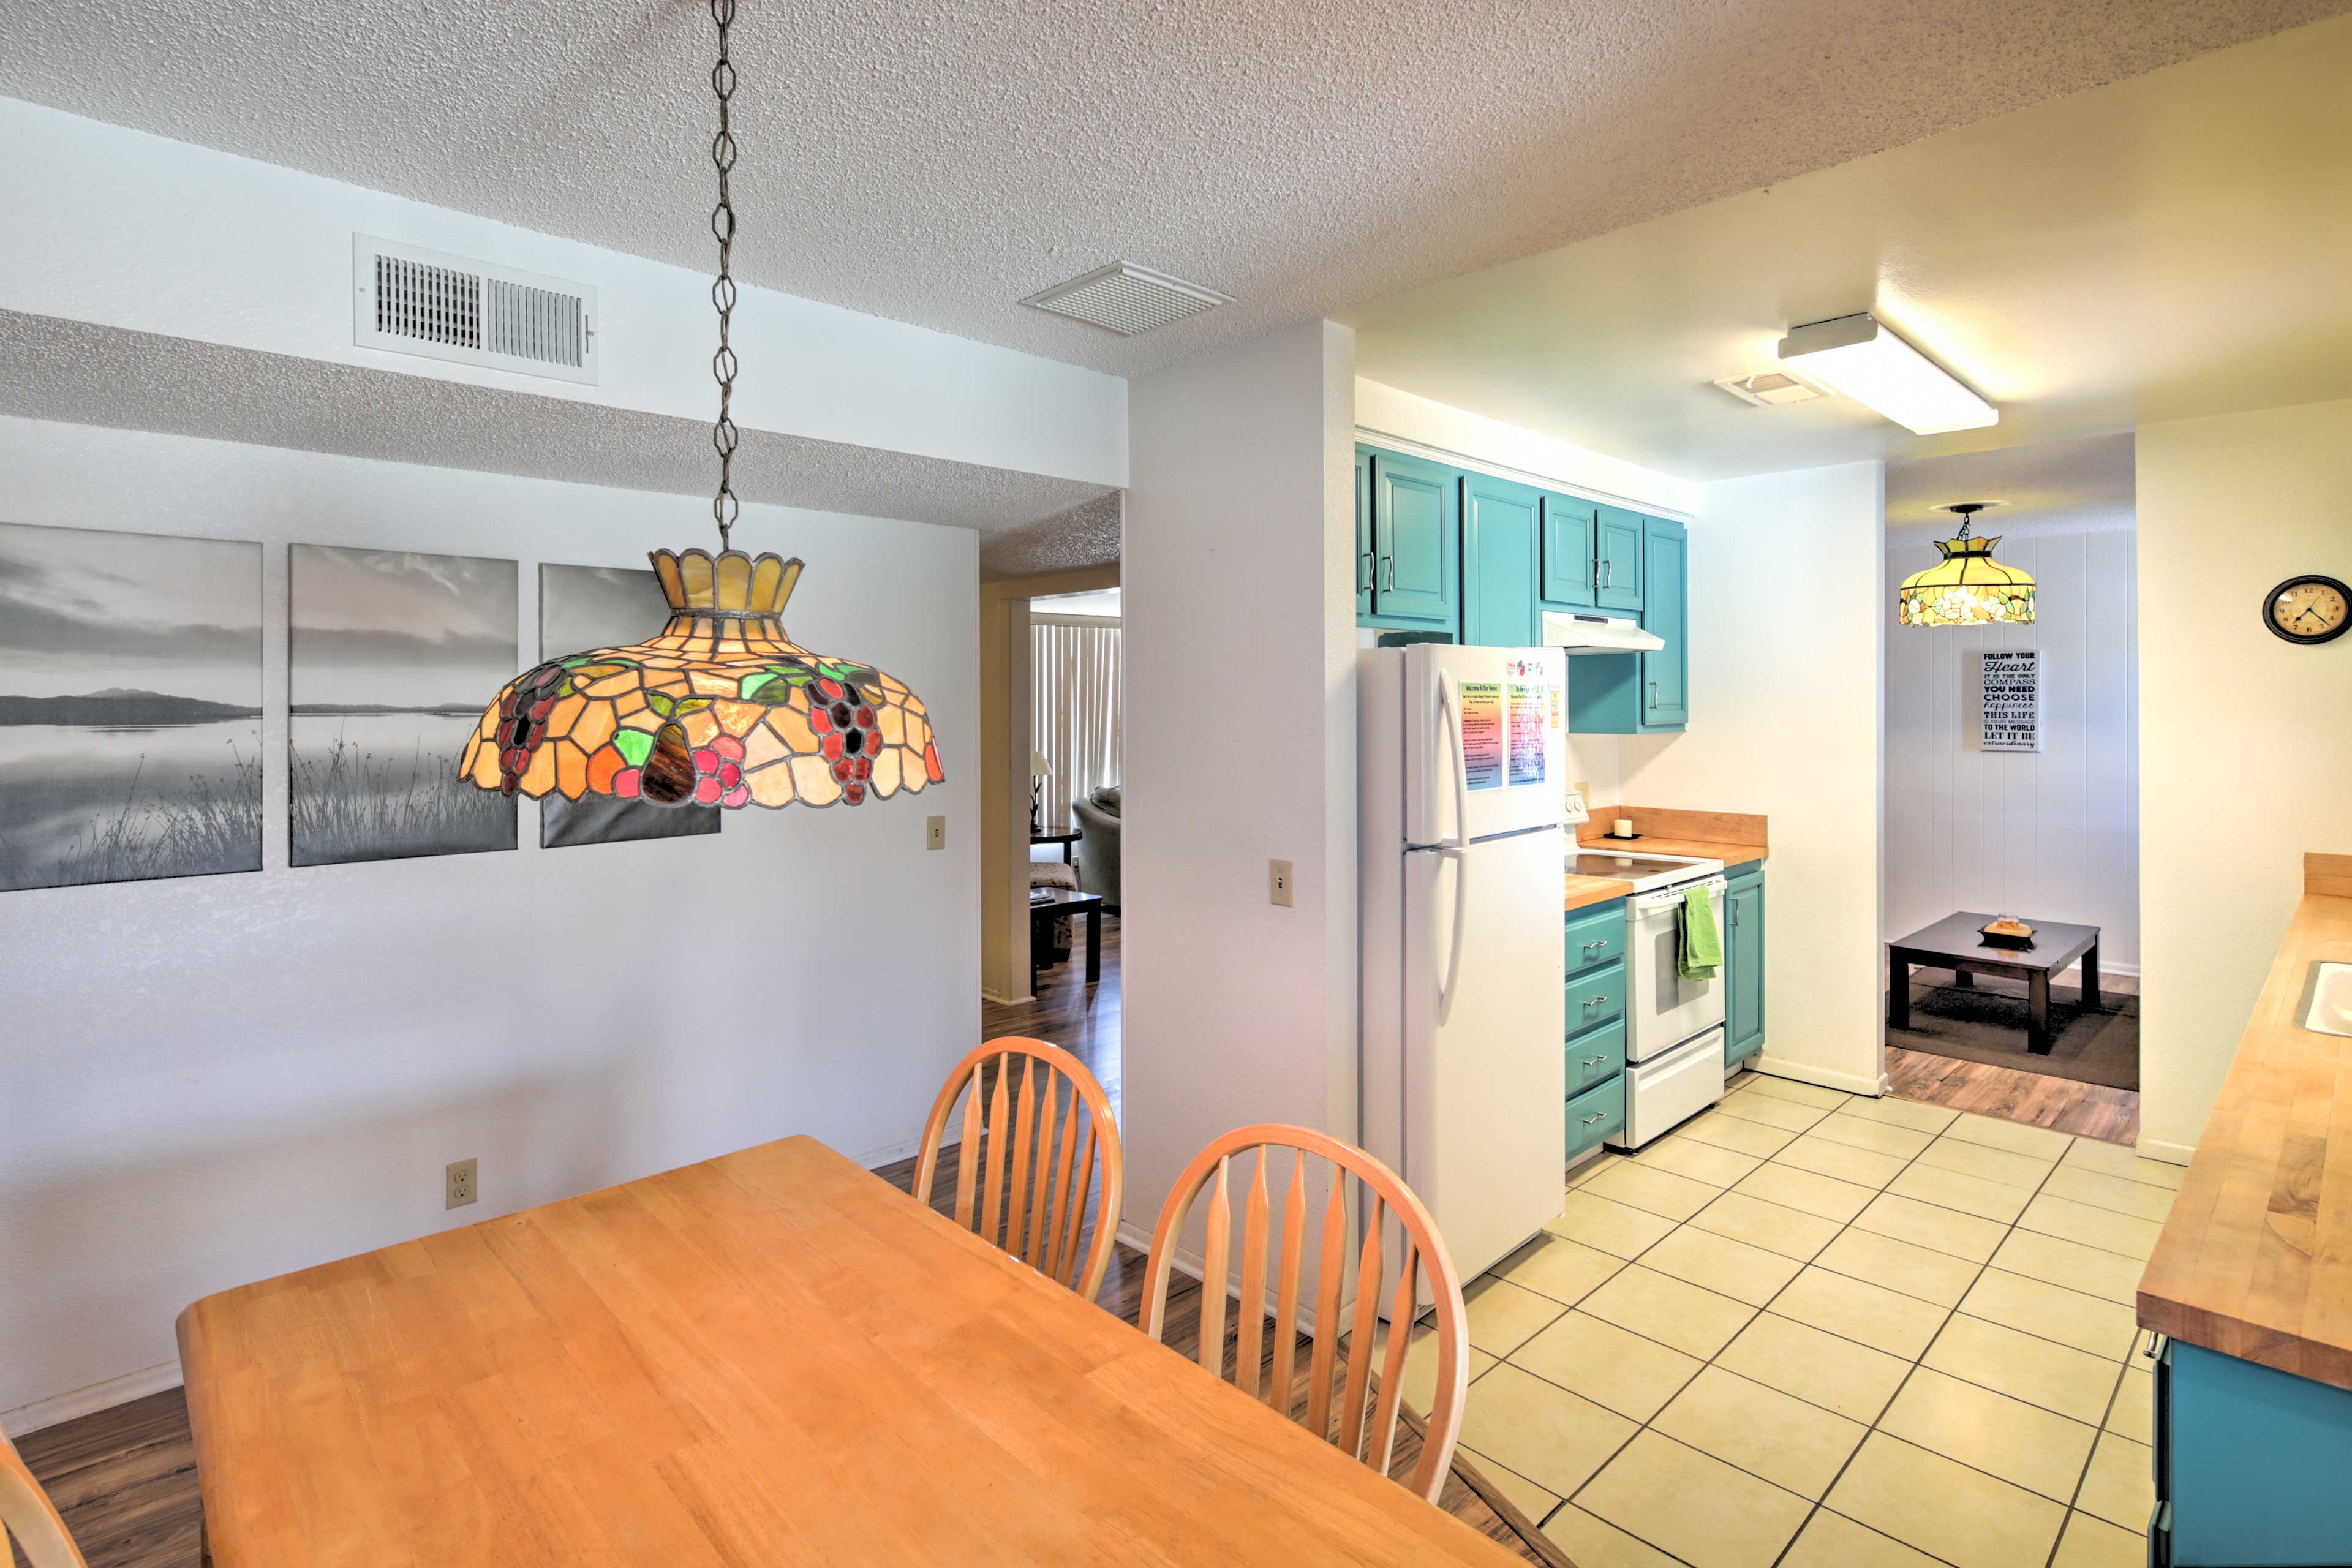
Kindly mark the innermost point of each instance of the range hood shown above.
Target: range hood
(1596, 634)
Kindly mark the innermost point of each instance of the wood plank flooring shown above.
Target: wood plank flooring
(2012, 1094)
(126, 1479)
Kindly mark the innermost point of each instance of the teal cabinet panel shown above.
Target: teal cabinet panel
(1618, 558)
(1595, 1056)
(1665, 591)
(1743, 968)
(1598, 1113)
(1572, 539)
(2251, 1463)
(1417, 541)
(1595, 998)
(1639, 693)
(1501, 559)
(1595, 938)
(1365, 559)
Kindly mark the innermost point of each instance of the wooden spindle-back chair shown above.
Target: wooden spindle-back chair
(1036, 1184)
(1384, 1198)
(27, 1514)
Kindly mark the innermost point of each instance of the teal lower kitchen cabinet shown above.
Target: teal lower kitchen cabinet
(1501, 561)
(2251, 1465)
(1595, 955)
(1641, 693)
(1743, 964)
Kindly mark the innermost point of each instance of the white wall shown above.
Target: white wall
(212, 1080)
(2245, 750)
(1238, 599)
(2052, 834)
(1512, 451)
(1786, 605)
(127, 229)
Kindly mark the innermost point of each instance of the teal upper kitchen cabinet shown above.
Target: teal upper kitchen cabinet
(1743, 964)
(1666, 577)
(1416, 545)
(1641, 694)
(1501, 560)
(1617, 558)
(1572, 536)
(1366, 558)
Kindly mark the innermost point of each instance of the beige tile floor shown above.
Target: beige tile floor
(1810, 1329)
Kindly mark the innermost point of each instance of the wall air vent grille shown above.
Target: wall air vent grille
(1772, 388)
(1128, 299)
(417, 301)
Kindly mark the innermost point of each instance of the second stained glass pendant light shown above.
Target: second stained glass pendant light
(722, 708)
(1967, 588)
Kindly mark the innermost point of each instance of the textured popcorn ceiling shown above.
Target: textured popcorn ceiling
(86, 374)
(934, 161)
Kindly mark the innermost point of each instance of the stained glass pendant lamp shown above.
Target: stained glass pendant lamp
(722, 708)
(1967, 588)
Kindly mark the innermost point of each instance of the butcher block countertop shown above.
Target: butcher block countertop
(2256, 1259)
(1734, 840)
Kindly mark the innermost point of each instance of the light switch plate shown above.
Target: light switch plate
(1277, 883)
(935, 832)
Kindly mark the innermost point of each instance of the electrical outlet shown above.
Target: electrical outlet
(1278, 882)
(458, 1184)
(935, 832)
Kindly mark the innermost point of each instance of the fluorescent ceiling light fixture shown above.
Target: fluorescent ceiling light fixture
(1858, 356)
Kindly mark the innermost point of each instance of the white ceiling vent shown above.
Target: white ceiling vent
(1127, 298)
(417, 301)
(1771, 388)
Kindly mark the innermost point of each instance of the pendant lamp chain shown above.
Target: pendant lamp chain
(723, 506)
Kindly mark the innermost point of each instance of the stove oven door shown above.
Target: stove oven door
(1662, 1008)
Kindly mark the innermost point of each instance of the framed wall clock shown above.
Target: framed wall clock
(2310, 609)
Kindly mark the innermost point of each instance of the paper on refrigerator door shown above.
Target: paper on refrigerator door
(1527, 739)
(1482, 734)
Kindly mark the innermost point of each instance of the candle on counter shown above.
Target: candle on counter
(1622, 827)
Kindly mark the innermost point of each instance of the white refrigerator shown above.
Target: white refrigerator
(1460, 753)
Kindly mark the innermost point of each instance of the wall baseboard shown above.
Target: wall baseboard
(1853, 1083)
(1019, 1000)
(891, 1153)
(2170, 1153)
(89, 1401)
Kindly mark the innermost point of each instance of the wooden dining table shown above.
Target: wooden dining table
(772, 1357)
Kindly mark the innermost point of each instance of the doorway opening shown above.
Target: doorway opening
(2013, 790)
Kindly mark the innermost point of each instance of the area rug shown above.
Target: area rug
(1986, 1023)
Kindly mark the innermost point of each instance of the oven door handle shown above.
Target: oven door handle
(1673, 899)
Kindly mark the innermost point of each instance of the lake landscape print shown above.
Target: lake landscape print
(391, 657)
(129, 706)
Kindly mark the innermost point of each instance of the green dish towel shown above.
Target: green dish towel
(1702, 953)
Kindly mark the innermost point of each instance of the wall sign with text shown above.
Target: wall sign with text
(2013, 702)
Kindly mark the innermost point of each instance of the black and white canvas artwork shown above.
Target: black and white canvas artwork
(583, 608)
(129, 706)
(391, 657)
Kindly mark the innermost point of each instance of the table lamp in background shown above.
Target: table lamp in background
(1038, 768)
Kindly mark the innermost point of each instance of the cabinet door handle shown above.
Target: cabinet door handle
(2154, 1340)
(1596, 1116)
(1594, 1061)
(1596, 1002)
(1371, 565)
(1391, 560)
(1654, 696)
(1590, 946)
(1608, 570)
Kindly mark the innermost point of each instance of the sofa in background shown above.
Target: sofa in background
(1098, 852)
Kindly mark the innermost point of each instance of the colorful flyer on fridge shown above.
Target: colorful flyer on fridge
(1527, 740)
(1482, 734)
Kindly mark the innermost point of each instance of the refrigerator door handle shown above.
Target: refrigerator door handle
(1457, 848)
(1460, 857)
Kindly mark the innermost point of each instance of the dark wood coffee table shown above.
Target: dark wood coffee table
(1043, 913)
(1955, 942)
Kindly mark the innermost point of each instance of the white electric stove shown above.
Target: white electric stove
(1674, 1025)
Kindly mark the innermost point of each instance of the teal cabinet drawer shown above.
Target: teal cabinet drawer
(1599, 1112)
(1595, 1056)
(1595, 998)
(1595, 939)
